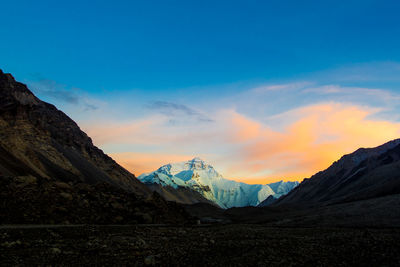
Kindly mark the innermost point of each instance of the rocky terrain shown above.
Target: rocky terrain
(30, 200)
(221, 245)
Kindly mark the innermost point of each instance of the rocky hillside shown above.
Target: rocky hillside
(364, 174)
(38, 139)
(50, 171)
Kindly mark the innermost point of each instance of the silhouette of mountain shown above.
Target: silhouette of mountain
(364, 174)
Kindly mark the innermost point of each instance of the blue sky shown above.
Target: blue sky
(190, 66)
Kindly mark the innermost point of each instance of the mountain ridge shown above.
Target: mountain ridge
(363, 174)
(201, 177)
(51, 172)
(28, 123)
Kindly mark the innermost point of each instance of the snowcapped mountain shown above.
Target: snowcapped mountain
(201, 177)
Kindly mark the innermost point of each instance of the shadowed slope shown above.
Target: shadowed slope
(47, 143)
(364, 174)
(50, 171)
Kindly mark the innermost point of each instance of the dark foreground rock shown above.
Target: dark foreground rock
(228, 245)
(31, 200)
(51, 172)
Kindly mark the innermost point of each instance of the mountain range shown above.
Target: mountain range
(198, 176)
(51, 172)
(362, 189)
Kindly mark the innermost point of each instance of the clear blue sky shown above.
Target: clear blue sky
(169, 44)
(128, 62)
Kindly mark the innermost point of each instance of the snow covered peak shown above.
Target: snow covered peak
(187, 168)
(198, 164)
(199, 176)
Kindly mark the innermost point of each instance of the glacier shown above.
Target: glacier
(199, 176)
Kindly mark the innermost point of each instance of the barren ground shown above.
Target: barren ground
(215, 245)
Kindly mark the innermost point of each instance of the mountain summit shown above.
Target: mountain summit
(201, 177)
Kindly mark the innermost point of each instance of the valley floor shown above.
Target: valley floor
(216, 245)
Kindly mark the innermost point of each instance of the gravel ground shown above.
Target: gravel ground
(216, 245)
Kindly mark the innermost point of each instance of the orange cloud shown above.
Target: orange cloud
(139, 163)
(246, 129)
(139, 131)
(318, 136)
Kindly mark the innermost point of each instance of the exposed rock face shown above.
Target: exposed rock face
(364, 174)
(38, 139)
(50, 171)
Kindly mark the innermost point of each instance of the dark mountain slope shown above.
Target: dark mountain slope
(50, 171)
(361, 189)
(47, 143)
(364, 174)
(180, 195)
(267, 202)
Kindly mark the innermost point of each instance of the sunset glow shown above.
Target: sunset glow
(261, 91)
(312, 138)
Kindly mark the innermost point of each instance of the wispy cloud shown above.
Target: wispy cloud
(52, 89)
(176, 110)
(388, 101)
(281, 87)
(152, 131)
(361, 72)
(356, 91)
(47, 88)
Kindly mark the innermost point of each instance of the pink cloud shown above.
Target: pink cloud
(139, 163)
